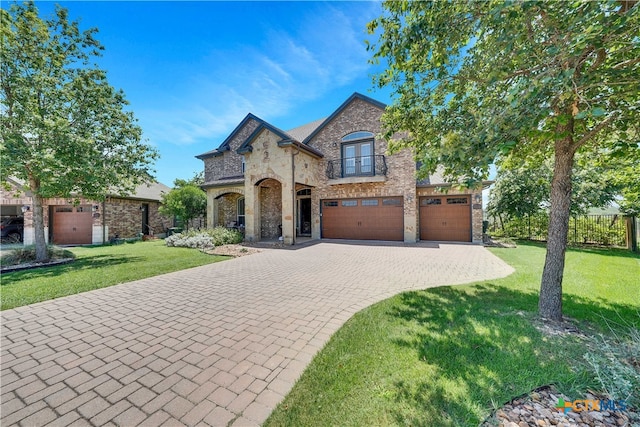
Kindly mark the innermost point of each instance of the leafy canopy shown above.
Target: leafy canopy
(523, 189)
(474, 81)
(186, 201)
(64, 129)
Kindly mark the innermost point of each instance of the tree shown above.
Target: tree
(523, 189)
(473, 81)
(65, 130)
(185, 201)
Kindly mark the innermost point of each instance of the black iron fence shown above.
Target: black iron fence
(604, 230)
(357, 166)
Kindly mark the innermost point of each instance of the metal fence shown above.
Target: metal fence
(604, 230)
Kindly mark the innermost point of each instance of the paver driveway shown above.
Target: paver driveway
(214, 345)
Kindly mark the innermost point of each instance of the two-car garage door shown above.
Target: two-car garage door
(376, 218)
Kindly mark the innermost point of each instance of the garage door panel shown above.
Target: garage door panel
(363, 219)
(445, 218)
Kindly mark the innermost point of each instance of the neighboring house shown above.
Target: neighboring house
(331, 178)
(87, 221)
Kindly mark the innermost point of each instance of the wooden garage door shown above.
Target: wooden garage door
(72, 225)
(380, 218)
(445, 218)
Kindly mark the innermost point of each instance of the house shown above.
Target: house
(332, 178)
(81, 221)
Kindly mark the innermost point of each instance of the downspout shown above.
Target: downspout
(293, 192)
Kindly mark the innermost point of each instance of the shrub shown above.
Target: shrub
(27, 254)
(204, 239)
(199, 241)
(615, 363)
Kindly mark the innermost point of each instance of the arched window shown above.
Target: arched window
(357, 135)
(357, 154)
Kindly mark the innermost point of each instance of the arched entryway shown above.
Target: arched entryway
(229, 210)
(270, 203)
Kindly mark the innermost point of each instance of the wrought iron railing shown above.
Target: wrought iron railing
(357, 166)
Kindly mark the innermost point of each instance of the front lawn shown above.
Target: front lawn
(98, 267)
(449, 356)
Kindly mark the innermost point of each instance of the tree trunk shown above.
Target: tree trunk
(42, 255)
(550, 304)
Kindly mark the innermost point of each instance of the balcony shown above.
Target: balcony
(358, 169)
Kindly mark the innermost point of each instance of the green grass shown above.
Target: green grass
(97, 267)
(449, 356)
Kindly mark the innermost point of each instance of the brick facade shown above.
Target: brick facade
(272, 158)
(114, 216)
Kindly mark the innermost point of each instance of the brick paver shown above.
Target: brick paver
(214, 345)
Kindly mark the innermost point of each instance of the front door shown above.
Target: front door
(145, 219)
(304, 217)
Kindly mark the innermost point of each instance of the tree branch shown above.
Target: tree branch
(593, 132)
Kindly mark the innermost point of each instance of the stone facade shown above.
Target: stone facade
(228, 209)
(277, 166)
(270, 209)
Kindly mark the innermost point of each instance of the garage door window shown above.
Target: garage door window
(370, 202)
(64, 209)
(331, 203)
(391, 202)
(430, 201)
(349, 203)
(457, 201)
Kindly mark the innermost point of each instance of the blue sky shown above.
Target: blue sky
(193, 70)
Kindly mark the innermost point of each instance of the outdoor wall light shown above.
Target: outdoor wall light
(25, 208)
(95, 208)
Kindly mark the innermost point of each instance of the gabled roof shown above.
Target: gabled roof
(145, 191)
(246, 145)
(302, 132)
(225, 144)
(344, 105)
(299, 136)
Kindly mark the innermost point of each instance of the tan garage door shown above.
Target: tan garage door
(380, 218)
(72, 225)
(445, 218)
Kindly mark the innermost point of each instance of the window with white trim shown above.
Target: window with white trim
(240, 212)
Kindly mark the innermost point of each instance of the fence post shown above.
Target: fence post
(632, 234)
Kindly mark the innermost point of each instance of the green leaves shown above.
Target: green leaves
(65, 128)
(185, 202)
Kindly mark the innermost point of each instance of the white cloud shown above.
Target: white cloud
(288, 67)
